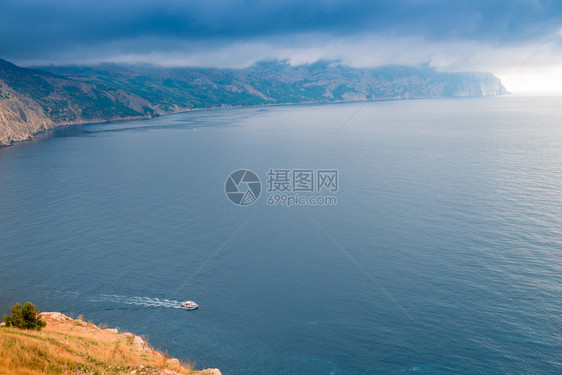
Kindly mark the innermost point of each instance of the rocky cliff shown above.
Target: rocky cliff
(32, 101)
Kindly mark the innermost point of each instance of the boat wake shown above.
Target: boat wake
(139, 301)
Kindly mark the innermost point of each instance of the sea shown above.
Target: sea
(389, 237)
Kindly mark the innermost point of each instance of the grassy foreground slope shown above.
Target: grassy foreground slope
(72, 346)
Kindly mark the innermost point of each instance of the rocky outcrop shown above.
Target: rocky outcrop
(127, 345)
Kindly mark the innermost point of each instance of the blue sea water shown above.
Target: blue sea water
(443, 254)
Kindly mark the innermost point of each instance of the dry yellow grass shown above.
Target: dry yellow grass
(69, 346)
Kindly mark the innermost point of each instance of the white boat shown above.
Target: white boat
(189, 305)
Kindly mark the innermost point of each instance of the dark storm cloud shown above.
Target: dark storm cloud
(42, 28)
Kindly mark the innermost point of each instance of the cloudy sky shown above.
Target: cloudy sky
(518, 40)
